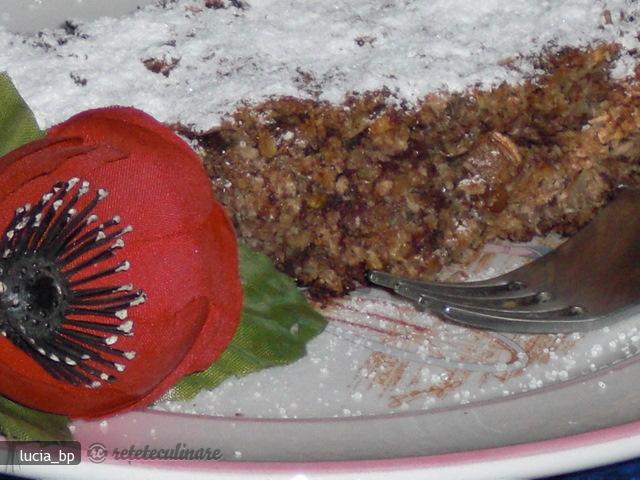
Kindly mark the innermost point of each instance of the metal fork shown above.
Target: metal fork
(590, 281)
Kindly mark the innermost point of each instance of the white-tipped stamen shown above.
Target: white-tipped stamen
(126, 326)
(124, 266)
(72, 183)
(139, 300)
(23, 223)
(117, 244)
(84, 188)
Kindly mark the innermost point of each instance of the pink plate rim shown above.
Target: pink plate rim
(571, 442)
(623, 431)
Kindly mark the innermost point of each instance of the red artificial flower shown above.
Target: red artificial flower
(118, 269)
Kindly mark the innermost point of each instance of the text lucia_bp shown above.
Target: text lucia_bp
(40, 453)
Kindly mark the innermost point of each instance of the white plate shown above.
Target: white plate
(489, 406)
(34, 15)
(367, 407)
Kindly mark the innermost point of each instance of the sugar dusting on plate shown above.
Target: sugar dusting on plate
(185, 62)
(380, 355)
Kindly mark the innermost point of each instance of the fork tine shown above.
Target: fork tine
(466, 289)
(491, 312)
(507, 300)
(553, 321)
(387, 280)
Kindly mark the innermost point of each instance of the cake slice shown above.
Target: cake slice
(331, 191)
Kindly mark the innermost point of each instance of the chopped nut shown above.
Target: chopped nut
(342, 184)
(383, 187)
(266, 145)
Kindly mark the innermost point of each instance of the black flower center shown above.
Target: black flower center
(35, 298)
(54, 302)
(43, 294)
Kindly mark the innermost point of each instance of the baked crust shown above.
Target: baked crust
(331, 191)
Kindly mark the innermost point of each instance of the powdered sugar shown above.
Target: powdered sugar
(191, 64)
(188, 63)
(380, 355)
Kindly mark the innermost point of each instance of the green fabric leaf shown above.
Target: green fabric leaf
(17, 124)
(277, 322)
(22, 423)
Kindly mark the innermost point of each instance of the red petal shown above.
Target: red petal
(182, 250)
(162, 186)
(27, 178)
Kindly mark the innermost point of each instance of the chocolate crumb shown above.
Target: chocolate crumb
(161, 65)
